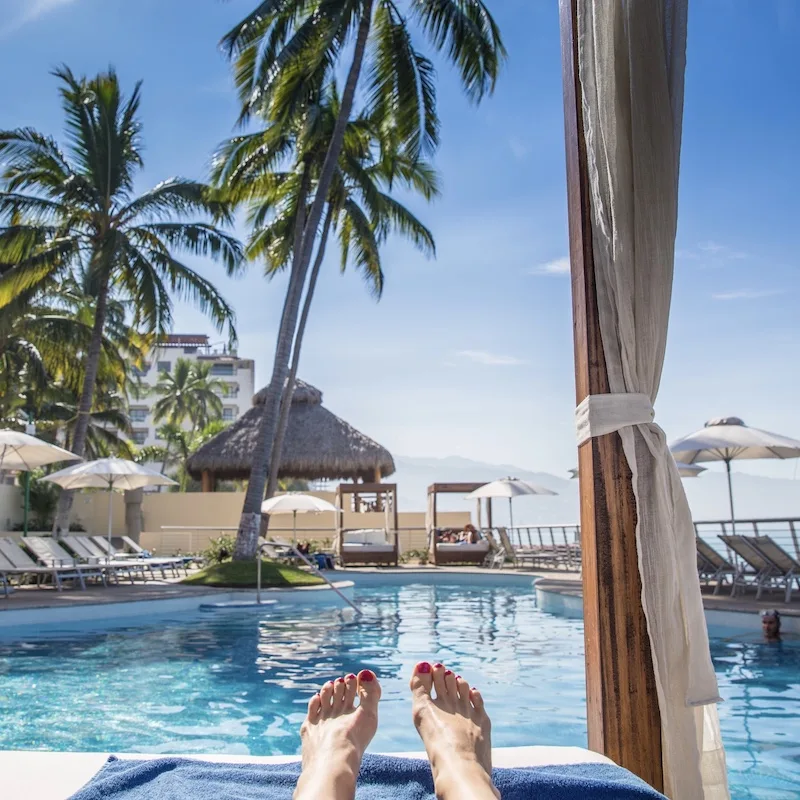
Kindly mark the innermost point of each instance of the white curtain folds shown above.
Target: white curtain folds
(632, 57)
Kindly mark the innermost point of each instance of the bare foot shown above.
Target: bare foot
(335, 735)
(456, 733)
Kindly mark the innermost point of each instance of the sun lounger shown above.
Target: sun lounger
(84, 548)
(711, 566)
(153, 562)
(367, 546)
(788, 567)
(762, 574)
(458, 552)
(50, 553)
(175, 561)
(23, 565)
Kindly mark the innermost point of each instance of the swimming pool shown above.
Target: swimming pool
(238, 681)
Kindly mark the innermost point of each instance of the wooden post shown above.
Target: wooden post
(377, 477)
(622, 705)
(208, 481)
(433, 532)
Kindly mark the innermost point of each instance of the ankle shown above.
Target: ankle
(327, 781)
(462, 779)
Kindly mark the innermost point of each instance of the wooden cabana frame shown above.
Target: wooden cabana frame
(386, 501)
(452, 556)
(622, 708)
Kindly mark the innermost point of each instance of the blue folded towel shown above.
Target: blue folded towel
(380, 777)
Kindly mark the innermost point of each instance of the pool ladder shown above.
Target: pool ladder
(314, 569)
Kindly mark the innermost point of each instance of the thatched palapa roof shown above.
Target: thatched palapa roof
(318, 444)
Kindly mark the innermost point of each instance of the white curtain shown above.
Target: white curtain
(631, 66)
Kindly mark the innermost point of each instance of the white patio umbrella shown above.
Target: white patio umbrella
(728, 438)
(111, 474)
(23, 452)
(510, 488)
(295, 503)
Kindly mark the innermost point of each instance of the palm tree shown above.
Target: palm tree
(284, 52)
(189, 392)
(76, 213)
(360, 210)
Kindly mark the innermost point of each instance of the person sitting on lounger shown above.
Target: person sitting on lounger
(771, 625)
(453, 726)
(469, 535)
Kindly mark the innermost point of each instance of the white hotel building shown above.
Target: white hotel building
(237, 373)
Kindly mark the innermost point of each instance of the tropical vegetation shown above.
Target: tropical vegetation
(73, 214)
(286, 54)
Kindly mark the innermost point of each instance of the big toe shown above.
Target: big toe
(422, 679)
(369, 690)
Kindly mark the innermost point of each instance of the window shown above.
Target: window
(228, 414)
(139, 414)
(140, 435)
(188, 351)
(164, 366)
(140, 373)
(223, 369)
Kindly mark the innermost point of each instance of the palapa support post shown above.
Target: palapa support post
(622, 705)
(208, 481)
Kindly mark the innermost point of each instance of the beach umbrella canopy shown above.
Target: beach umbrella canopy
(295, 503)
(21, 451)
(510, 488)
(728, 438)
(111, 474)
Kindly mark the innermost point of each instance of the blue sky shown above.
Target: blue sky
(471, 354)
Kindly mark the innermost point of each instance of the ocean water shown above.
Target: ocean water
(238, 681)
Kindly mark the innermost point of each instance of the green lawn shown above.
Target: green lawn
(242, 575)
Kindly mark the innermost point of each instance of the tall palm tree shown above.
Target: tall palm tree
(189, 393)
(76, 213)
(286, 50)
(360, 210)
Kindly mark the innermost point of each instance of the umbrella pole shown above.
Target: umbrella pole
(294, 527)
(27, 504)
(510, 514)
(110, 511)
(730, 496)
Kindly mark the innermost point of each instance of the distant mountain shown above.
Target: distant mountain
(755, 496)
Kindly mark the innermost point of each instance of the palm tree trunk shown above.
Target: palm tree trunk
(247, 536)
(61, 522)
(250, 520)
(286, 403)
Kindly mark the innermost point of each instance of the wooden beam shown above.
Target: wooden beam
(208, 481)
(622, 705)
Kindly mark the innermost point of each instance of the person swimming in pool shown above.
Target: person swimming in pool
(447, 712)
(771, 625)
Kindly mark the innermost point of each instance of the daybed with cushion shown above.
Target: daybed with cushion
(367, 546)
(457, 552)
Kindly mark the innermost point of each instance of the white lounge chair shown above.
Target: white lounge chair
(23, 565)
(51, 554)
(711, 566)
(85, 549)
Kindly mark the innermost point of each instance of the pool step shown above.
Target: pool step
(236, 604)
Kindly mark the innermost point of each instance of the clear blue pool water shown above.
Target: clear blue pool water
(238, 682)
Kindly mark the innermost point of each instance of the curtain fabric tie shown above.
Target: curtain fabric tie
(599, 414)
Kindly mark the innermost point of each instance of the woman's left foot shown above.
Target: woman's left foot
(335, 735)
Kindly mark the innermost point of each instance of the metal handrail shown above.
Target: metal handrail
(314, 569)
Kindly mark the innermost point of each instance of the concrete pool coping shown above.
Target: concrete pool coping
(54, 776)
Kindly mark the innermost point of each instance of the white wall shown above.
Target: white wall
(11, 510)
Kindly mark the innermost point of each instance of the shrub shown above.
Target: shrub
(414, 555)
(220, 549)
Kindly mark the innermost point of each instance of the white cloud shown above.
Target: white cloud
(490, 359)
(559, 266)
(720, 250)
(29, 11)
(747, 294)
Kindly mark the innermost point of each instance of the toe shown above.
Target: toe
(314, 707)
(476, 699)
(326, 696)
(338, 695)
(450, 684)
(369, 690)
(422, 678)
(350, 685)
(463, 692)
(438, 681)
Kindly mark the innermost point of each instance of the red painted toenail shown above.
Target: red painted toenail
(438, 666)
(340, 680)
(448, 672)
(351, 677)
(459, 678)
(366, 675)
(424, 667)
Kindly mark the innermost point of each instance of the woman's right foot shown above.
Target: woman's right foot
(456, 732)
